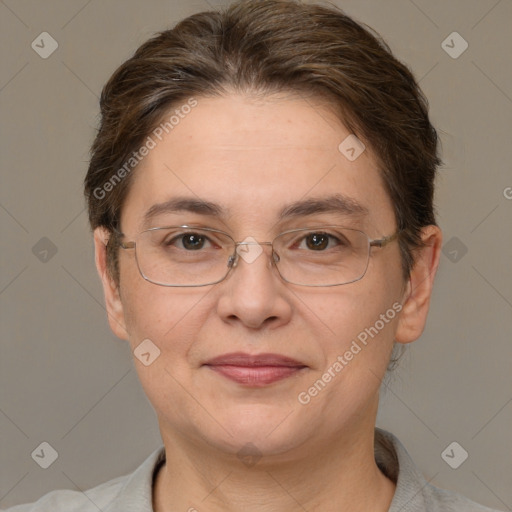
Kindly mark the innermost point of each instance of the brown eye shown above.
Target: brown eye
(321, 241)
(317, 241)
(193, 241)
(187, 241)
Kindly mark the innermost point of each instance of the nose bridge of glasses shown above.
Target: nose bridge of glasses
(252, 242)
(234, 258)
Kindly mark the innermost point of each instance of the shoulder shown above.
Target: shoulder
(441, 500)
(112, 496)
(97, 498)
(413, 493)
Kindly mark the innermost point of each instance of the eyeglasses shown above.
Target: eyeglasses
(192, 256)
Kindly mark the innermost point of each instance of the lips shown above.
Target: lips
(255, 370)
(242, 359)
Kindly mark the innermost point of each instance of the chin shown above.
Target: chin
(262, 429)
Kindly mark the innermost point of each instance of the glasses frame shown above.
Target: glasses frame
(233, 259)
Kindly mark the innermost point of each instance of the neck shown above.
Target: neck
(341, 475)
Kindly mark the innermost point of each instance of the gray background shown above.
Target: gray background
(66, 380)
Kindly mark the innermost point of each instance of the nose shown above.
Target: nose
(249, 250)
(253, 294)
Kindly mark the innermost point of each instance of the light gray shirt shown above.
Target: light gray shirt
(133, 493)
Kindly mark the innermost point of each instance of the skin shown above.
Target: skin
(253, 156)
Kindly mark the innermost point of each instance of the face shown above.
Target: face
(252, 159)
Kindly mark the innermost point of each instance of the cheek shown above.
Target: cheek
(359, 320)
(161, 314)
(170, 319)
(342, 315)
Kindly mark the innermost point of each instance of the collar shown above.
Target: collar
(135, 495)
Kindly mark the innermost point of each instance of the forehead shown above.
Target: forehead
(253, 158)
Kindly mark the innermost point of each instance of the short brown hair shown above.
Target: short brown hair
(264, 47)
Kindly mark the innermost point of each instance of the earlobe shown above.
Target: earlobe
(113, 301)
(418, 291)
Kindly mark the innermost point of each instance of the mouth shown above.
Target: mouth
(255, 370)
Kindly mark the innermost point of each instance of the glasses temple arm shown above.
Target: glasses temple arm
(381, 242)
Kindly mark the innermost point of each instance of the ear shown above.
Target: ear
(416, 300)
(113, 302)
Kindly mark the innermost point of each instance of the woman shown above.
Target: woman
(261, 191)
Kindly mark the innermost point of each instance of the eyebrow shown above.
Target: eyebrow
(336, 203)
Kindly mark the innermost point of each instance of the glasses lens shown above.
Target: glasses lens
(180, 256)
(320, 256)
(324, 256)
